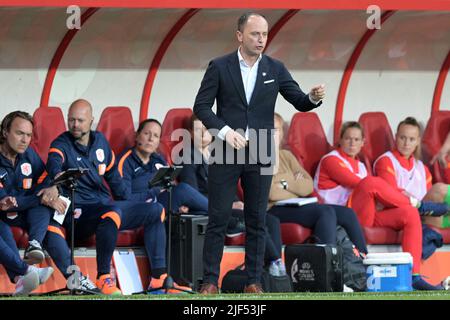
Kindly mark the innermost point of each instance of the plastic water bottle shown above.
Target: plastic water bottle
(273, 269)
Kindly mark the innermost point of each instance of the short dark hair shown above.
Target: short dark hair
(9, 118)
(144, 123)
(244, 18)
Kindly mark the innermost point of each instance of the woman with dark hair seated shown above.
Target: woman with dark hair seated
(138, 165)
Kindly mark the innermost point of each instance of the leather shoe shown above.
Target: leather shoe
(253, 288)
(209, 288)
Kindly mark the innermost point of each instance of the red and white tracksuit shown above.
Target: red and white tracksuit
(410, 174)
(341, 179)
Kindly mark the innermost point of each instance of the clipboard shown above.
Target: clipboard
(60, 217)
(296, 202)
(127, 271)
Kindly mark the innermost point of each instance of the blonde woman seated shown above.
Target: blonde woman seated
(342, 179)
(292, 181)
(403, 169)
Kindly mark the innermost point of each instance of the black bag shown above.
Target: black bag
(354, 271)
(431, 240)
(314, 267)
(234, 282)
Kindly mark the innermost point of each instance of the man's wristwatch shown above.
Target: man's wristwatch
(284, 184)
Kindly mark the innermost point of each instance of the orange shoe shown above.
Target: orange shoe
(158, 283)
(107, 285)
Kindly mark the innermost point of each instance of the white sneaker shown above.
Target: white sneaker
(87, 285)
(446, 283)
(44, 273)
(27, 283)
(347, 289)
(33, 253)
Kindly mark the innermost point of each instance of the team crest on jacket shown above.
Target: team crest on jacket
(26, 169)
(100, 155)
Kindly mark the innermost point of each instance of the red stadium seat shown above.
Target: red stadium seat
(292, 233)
(378, 136)
(382, 235)
(140, 236)
(176, 118)
(436, 131)
(307, 141)
(48, 124)
(20, 236)
(125, 238)
(165, 151)
(236, 240)
(116, 123)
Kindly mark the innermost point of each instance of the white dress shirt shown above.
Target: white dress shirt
(249, 80)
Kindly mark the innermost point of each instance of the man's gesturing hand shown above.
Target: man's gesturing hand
(317, 93)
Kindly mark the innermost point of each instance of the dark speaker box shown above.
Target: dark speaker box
(188, 237)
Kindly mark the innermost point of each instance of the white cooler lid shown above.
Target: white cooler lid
(388, 258)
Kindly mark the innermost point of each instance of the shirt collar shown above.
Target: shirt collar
(5, 162)
(241, 58)
(79, 146)
(404, 162)
(344, 155)
(354, 162)
(137, 159)
(154, 157)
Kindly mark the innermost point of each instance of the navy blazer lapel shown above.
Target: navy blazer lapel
(236, 76)
(261, 76)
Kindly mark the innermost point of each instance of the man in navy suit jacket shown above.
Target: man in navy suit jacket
(245, 85)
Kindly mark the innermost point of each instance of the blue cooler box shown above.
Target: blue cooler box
(389, 271)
